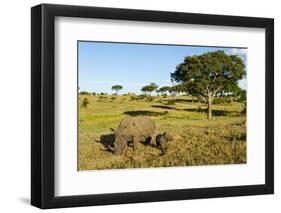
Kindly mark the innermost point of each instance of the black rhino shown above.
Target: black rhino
(132, 129)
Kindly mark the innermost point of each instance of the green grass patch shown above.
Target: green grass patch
(198, 141)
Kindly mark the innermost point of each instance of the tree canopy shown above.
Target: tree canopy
(207, 74)
(117, 88)
(164, 89)
(149, 88)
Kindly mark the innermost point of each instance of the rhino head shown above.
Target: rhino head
(119, 144)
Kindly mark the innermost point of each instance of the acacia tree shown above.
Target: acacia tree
(173, 91)
(163, 90)
(157, 91)
(179, 88)
(190, 89)
(117, 88)
(149, 88)
(209, 74)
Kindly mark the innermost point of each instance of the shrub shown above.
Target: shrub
(85, 103)
(84, 93)
(113, 98)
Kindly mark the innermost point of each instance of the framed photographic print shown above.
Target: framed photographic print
(139, 106)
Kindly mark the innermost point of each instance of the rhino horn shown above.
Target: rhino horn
(111, 148)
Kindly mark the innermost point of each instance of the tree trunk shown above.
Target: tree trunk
(210, 102)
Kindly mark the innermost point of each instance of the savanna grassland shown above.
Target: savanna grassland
(197, 140)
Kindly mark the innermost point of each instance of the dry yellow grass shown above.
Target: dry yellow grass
(198, 141)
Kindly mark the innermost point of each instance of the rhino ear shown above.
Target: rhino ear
(111, 129)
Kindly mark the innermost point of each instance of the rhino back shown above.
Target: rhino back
(136, 126)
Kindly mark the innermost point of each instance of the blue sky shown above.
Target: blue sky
(104, 64)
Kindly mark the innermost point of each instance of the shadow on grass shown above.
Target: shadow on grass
(145, 112)
(215, 112)
(108, 140)
(242, 137)
(186, 100)
(165, 107)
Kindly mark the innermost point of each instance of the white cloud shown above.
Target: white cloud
(238, 51)
(241, 52)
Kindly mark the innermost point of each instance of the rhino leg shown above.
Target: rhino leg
(136, 141)
(148, 140)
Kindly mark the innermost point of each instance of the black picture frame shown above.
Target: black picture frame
(43, 102)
